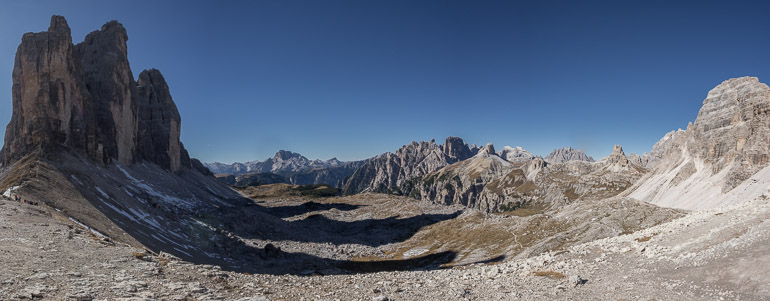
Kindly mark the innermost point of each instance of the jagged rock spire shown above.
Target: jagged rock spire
(84, 98)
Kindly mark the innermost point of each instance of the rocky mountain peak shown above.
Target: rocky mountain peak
(728, 143)
(617, 156)
(59, 24)
(386, 172)
(489, 149)
(515, 154)
(285, 155)
(617, 149)
(561, 155)
(455, 147)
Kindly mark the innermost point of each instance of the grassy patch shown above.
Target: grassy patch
(317, 190)
(527, 187)
(571, 195)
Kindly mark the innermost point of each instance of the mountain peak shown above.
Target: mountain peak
(617, 149)
(59, 24)
(514, 154)
(455, 147)
(489, 149)
(561, 155)
(285, 155)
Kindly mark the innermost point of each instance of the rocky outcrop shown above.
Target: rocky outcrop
(728, 143)
(617, 159)
(489, 183)
(83, 98)
(455, 147)
(386, 172)
(515, 154)
(561, 155)
(643, 160)
(461, 183)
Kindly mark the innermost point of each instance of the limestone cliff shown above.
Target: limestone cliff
(84, 98)
(728, 143)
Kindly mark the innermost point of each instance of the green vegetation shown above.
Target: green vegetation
(317, 190)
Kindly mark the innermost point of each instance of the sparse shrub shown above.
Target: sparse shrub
(510, 206)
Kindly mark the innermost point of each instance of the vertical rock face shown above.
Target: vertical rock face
(49, 95)
(733, 126)
(103, 55)
(727, 144)
(731, 132)
(456, 148)
(158, 122)
(83, 98)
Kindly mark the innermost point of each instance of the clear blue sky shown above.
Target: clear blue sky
(353, 79)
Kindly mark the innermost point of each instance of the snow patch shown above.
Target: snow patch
(8, 191)
(76, 179)
(97, 233)
(102, 192)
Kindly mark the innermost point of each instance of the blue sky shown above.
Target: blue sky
(352, 79)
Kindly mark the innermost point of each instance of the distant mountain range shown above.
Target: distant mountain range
(288, 167)
(412, 169)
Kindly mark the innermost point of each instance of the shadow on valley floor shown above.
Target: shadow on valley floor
(276, 262)
(194, 218)
(235, 254)
(289, 211)
(317, 228)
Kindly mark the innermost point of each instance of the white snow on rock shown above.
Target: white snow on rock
(8, 192)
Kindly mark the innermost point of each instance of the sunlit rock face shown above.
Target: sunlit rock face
(728, 143)
(386, 172)
(562, 155)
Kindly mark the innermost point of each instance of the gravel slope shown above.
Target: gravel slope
(713, 254)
